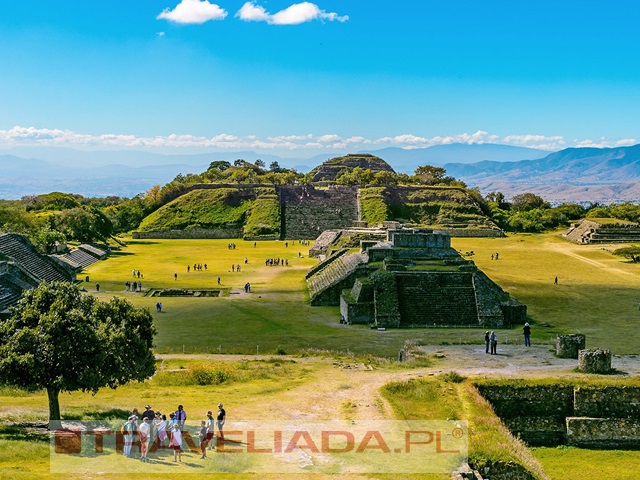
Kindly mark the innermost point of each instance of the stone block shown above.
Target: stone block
(603, 433)
(607, 401)
(567, 346)
(594, 361)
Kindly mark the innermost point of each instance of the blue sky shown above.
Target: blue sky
(298, 78)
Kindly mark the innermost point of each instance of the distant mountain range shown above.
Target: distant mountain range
(573, 174)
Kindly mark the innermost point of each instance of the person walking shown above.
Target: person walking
(176, 443)
(202, 436)
(526, 330)
(211, 429)
(181, 416)
(487, 342)
(494, 343)
(127, 432)
(220, 419)
(161, 428)
(145, 436)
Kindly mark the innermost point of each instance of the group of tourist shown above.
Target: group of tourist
(270, 262)
(491, 339)
(232, 246)
(494, 256)
(132, 287)
(153, 428)
(136, 273)
(197, 267)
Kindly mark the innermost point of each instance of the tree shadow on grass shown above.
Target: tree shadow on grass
(114, 413)
(22, 432)
(121, 254)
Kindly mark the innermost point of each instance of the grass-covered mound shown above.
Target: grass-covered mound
(424, 205)
(452, 397)
(329, 170)
(254, 208)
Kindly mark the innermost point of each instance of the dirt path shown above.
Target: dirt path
(570, 253)
(352, 390)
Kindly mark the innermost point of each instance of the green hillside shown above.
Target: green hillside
(254, 208)
(424, 205)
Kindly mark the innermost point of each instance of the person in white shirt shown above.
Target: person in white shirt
(144, 432)
(176, 443)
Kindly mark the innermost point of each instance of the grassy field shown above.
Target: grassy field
(596, 295)
(609, 464)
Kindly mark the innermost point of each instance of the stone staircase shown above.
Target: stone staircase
(587, 231)
(8, 298)
(306, 211)
(443, 299)
(84, 256)
(326, 262)
(23, 253)
(334, 273)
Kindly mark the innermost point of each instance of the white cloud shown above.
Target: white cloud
(160, 34)
(193, 11)
(542, 142)
(32, 136)
(251, 12)
(293, 15)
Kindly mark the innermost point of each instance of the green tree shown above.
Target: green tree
(524, 202)
(274, 166)
(46, 239)
(429, 175)
(259, 163)
(385, 177)
(85, 224)
(220, 165)
(15, 218)
(127, 215)
(572, 211)
(63, 341)
(632, 253)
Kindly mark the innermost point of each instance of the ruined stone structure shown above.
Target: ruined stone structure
(599, 417)
(588, 231)
(307, 211)
(22, 267)
(568, 346)
(594, 361)
(330, 169)
(412, 279)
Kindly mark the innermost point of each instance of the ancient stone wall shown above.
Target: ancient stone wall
(323, 242)
(594, 361)
(603, 433)
(436, 298)
(589, 417)
(306, 211)
(472, 232)
(326, 285)
(191, 233)
(568, 346)
(587, 231)
(607, 401)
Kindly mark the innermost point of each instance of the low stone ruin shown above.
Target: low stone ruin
(593, 416)
(594, 361)
(568, 346)
(589, 232)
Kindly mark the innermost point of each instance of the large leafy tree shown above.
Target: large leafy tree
(85, 224)
(61, 340)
